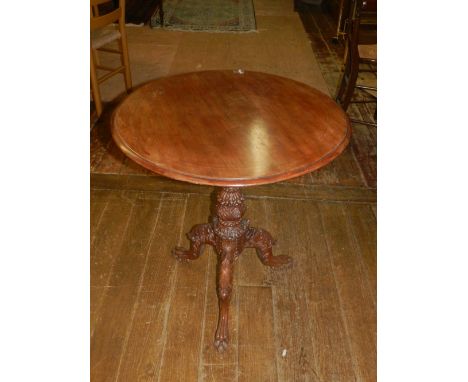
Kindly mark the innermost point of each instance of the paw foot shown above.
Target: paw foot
(183, 255)
(281, 261)
(222, 337)
(221, 344)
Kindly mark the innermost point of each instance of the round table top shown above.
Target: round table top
(230, 128)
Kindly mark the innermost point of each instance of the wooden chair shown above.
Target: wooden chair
(100, 37)
(341, 10)
(356, 55)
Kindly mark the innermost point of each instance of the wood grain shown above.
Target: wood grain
(108, 239)
(230, 128)
(318, 347)
(374, 209)
(257, 352)
(278, 190)
(321, 311)
(219, 373)
(132, 257)
(295, 344)
(185, 319)
(141, 358)
(363, 224)
(122, 292)
(355, 293)
(96, 211)
(344, 170)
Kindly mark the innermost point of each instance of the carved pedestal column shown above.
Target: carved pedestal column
(229, 233)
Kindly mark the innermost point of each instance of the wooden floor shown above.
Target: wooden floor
(153, 319)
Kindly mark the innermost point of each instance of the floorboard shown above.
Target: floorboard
(307, 302)
(109, 235)
(122, 289)
(257, 350)
(184, 321)
(277, 190)
(141, 359)
(362, 221)
(354, 290)
(155, 318)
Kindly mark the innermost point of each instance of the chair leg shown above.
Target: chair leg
(161, 13)
(124, 57)
(350, 86)
(341, 89)
(95, 86)
(95, 56)
(343, 84)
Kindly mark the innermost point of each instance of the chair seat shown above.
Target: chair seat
(101, 37)
(368, 51)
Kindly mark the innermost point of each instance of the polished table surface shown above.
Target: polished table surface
(230, 128)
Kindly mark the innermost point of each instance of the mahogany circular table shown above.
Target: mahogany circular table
(230, 129)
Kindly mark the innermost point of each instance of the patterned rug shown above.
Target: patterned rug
(207, 15)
